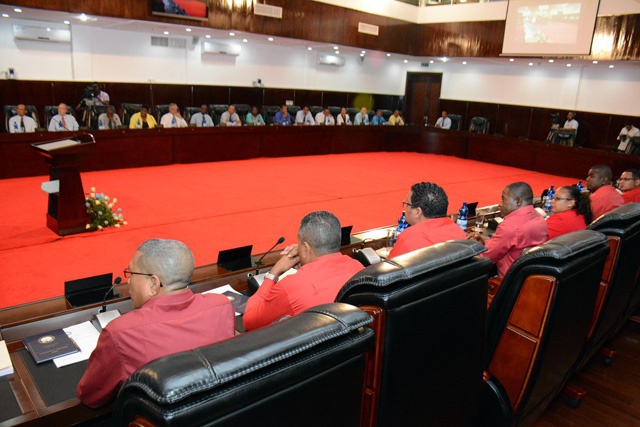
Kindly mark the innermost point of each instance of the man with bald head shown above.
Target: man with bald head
(522, 227)
(604, 197)
(63, 121)
(323, 272)
(21, 122)
(230, 117)
(167, 318)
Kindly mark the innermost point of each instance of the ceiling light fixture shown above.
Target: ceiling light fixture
(270, 39)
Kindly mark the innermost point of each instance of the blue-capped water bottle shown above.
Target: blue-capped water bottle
(138, 125)
(173, 122)
(547, 201)
(462, 219)
(100, 125)
(204, 121)
(402, 222)
(580, 187)
(15, 127)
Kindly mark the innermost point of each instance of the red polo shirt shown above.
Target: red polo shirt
(565, 222)
(426, 233)
(605, 199)
(631, 196)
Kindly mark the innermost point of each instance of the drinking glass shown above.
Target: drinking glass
(479, 228)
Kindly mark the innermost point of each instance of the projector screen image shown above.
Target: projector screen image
(190, 9)
(549, 27)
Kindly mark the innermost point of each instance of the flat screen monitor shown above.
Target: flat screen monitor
(186, 9)
(549, 27)
(236, 258)
(88, 290)
(346, 238)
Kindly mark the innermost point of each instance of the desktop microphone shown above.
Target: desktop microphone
(259, 262)
(104, 300)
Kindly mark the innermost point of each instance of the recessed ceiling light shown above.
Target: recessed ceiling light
(232, 34)
(464, 62)
(244, 40)
(431, 62)
(166, 33)
(362, 55)
(388, 54)
(270, 39)
(364, 51)
(309, 48)
(611, 66)
(595, 62)
(530, 64)
(48, 29)
(5, 15)
(188, 30)
(551, 61)
(66, 22)
(568, 65)
(336, 48)
(208, 36)
(337, 52)
(444, 59)
(406, 61)
(511, 59)
(83, 17)
(17, 10)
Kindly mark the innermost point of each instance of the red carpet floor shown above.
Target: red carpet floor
(215, 206)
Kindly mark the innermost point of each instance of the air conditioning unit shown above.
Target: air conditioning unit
(43, 34)
(336, 61)
(221, 48)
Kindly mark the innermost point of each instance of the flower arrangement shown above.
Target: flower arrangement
(100, 210)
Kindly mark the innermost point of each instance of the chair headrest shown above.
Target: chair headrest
(627, 213)
(478, 120)
(413, 264)
(565, 246)
(172, 378)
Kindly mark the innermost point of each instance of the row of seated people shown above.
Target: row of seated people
(24, 118)
(160, 270)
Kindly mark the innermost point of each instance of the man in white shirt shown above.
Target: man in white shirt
(230, 117)
(173, 119)
(571, 123)
(63, 121)
(202, 119)
(443, 122)
(304, 117)
(628, 131)
(21, 123)
(324, 117)
(109, 119)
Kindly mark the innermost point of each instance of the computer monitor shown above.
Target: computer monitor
(88, 290)
(236, 258)
(347, 239)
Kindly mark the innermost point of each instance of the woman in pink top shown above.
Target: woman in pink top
(571, 212)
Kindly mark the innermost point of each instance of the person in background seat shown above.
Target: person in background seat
(604, 197)
(142, 119)
(571, 211)
(629, 184)
(202, 119)
(21, 122)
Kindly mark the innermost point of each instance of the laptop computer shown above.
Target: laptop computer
(236, 258)
(346, 238)
(88, 290)
(472, 208)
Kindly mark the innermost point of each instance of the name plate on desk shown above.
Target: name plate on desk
(49, 345)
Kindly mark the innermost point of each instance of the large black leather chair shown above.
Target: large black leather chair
(216, 110)
(269, 112)
(129, 110)
(305, 371)
(161, 110)
(242, 110)
(94, 112)
(456, 121)
(537, 326)
(430, 309)
(190, 111)
(479, 125)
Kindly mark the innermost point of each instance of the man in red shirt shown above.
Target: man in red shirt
(522, 227)
(604, 197)
(323, 272)
(167, 318)
(629, 184)
(426, 212)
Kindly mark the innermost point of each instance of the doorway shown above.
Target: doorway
(422, 97)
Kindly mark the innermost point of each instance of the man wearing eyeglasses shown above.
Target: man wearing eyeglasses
(629, 184)
(323, 272)
(426, 211)
(167, 318)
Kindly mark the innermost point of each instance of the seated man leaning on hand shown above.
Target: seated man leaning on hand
(521, 229)
(323, 273)
(173, 119)
(167, 318)
(426, 212)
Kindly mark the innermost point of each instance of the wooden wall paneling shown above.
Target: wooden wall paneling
(14, 92)
(210, 95)
(512, 120)
(124, 9)
(166, 94)
(452, 107)
(354, 139)
(307, 97)
(415, 139)
(386, 102)
(18, 158)
(482, 109)
(335, 99)
(220, 14)
(278, 96)
(285, 141)
(247, 95)
(593, 129)
(554, 159)
(128, 93)
(615, 126)
(616, 38)
(68, 92)
(195, 145)
(131, 149)
(483, 39)
(541, 122)
(501, 151)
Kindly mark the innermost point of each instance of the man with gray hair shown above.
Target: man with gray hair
(109, 119)
(167, 318)
(173, 119)
(521, 229)
(323, 272)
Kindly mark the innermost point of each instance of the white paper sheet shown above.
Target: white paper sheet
(85, 335)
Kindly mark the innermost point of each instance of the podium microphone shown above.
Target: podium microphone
(104, 300)
(259, 262)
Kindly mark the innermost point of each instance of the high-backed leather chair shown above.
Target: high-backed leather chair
(305, 371)
(12, 110)
(129, 110)
(335, 111)
(242, 110)
(94, 112)
(269, 112)
(190, 111)
(429, 307)
(216, 111)
(293, 110)
(456, 121)
(352, 111)
(315, 109)
(386, 114)
(537, 326)
(479, 125)
(161, 110)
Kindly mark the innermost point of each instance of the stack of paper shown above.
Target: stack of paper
(85, 335)
(6, 367)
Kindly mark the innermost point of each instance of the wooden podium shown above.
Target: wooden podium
(66, 212)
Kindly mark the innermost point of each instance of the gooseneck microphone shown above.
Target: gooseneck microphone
(104, 300)
(259, 262)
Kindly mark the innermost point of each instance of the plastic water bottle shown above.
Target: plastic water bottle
(402, 222)
(15, 127)
(204, 121)
(173, 122)
(60, 125)
(308, 123)
(462, 219)
(100, 125)
(426, 121)
(139, 125)
(580, 187)
(547, 202)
